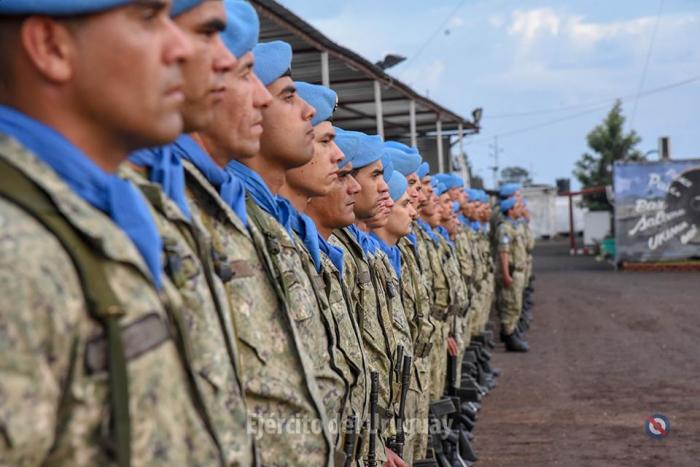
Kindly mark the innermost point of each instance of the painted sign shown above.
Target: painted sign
(657, 210)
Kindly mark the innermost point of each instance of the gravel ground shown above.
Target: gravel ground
(607, 350)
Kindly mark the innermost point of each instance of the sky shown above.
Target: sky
(545, 72)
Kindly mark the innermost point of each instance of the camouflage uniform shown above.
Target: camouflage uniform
(529, 246)
(303, 309)
(459, 298)
(464, 249)
(423, 365)
(276, 372)
(510, 298)
(389, 284)
(440, 303)
(489, 283)
(207, 318)
(416, 303)
(53, 410)
(363, 296)
(354, 363)
(336, 395)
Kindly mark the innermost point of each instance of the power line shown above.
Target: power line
(646, 61)
(433, 35)
(600, 106)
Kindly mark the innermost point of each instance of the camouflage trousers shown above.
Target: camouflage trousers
(420, 442)
(510, 301)
(412, 425)
(463, 340)
(438, 361)
(489, 288)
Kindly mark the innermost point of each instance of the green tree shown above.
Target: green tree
(609, 143)
(516, 174)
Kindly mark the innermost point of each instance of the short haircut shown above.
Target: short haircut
(10, 29)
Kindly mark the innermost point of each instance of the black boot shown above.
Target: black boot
(514, 343)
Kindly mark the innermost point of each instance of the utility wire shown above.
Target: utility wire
(433, 35)
(646, 61)
(600, 106)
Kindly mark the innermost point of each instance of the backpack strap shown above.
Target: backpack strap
(102, 303)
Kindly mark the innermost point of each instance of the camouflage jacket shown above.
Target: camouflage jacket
(54, 406)
(511, 241)
(278, 376)
(414, 296)
(416, 306)
(349, 339)
(303, 307)
(363, 295)
(207, 317)
(439, 287)
(337, 385)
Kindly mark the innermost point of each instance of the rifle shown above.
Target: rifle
(350, 434)
(373, 421)
(400, 438)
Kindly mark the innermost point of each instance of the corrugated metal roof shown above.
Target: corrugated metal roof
(352, 77)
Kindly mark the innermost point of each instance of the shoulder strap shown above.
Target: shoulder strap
(102, 303)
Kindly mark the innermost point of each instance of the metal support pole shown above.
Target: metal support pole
(414, 135)
(462, 156)
(325, 72)
(572, 232)
(438, 138)
(378, 107)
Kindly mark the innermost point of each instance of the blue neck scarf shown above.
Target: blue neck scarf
(230, 188)
(392, 252)
(428, 230)
(368, 244)
(475, 225)
(413, 238)
(117, 198)
(307, 231)
(334, 253)
(463, 219)
(277, 207)
(165, 169)
(445, 234)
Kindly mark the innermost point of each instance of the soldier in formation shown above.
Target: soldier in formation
(200, 269)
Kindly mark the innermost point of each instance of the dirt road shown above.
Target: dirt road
(608, 349)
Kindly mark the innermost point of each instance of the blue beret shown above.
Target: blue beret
(178, 6)
(405, 161)
(242, 27)
(359, 148)
(507, 204)
(438, 187)
(450, 181)
(321, 98)
(272, 60)
(484, 197)
(387, 167)
(58, 7)
(423, 170)
(508, 190)
(397, 185)
(472, 194)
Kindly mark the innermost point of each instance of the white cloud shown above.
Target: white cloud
(497, 21)
(530, 24)
(538, 23)
(424, 77)
(455, 22)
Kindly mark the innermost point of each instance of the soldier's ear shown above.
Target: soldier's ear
(49, 47)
